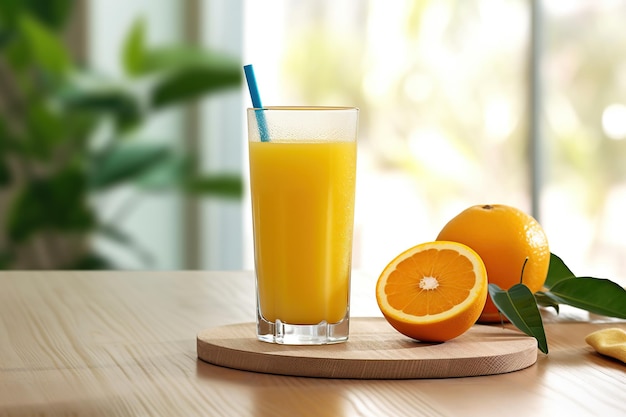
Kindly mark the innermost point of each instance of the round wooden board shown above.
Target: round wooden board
(374, 351)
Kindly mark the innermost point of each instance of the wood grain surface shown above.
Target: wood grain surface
(124, 344)
(374, 351)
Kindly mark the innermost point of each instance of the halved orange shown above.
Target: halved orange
(434, 291)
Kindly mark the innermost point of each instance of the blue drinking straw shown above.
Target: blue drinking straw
(256, 102)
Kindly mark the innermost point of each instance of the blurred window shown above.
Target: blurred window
(179, 232)
(584, 117)
(444, 90)
(446, 94)
(153, 221)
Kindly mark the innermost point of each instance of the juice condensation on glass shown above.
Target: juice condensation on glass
(303, 211)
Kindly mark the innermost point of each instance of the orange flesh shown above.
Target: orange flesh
(454, 280)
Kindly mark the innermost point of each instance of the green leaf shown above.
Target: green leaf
(169, 174)
(119, 236)
(9, 10)
(18, 58)
(173, 58)
(224, 185)
(91, 261)
(544, 301)
(114, 101)
(6, 36)
(133, 51)
(57, 203)
(519, 306)
(557, 271)
(193, 81)
(596, 295)
(5, 173)
(53, 13)
(46, 130)
(123, 162)
(45, 48)
(6, 259)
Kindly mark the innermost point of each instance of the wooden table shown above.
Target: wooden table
(124, 344)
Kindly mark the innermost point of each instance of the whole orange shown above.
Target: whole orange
(504, 237)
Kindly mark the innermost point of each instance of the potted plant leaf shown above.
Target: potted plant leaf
(68, 135)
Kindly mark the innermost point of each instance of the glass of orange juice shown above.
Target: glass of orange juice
(302, 181)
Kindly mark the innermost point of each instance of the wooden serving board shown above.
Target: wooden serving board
(374, 351)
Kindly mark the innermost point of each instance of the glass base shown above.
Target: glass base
(283, 333)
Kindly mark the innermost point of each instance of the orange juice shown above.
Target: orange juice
(303, 210)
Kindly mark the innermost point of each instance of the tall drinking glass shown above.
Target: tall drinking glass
(302, 180)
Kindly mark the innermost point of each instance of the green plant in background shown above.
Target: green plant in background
(67, 134)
